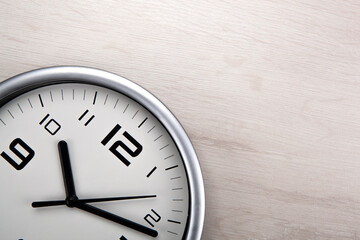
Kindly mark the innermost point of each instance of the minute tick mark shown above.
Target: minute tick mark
(30, 103)
(41, 101)
(158, 138)
(172, 221)
(169, 168)
(169, 156)
(172, 232)
(94, 98)
(116, 103)
(107, 95)
(164, 147)
(20, 108)
(178, 211)
(135, 114)
(126, 108)
(10, 114)
(151, 129)
(142, 122)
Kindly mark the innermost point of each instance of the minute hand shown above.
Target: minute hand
(87, 200)
(112, 217)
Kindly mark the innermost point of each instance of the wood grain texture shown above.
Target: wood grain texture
(269, 92)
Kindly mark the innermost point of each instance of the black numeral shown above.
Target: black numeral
(83, 115)
(51, 126)
(119, 143)
(24, 159)
(157, 219)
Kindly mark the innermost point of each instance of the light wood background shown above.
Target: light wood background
(269, 92)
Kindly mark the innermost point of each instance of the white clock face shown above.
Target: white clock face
(116, 148)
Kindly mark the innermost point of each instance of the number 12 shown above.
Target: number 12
(119, 143)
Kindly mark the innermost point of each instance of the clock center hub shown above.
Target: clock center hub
(70, 201)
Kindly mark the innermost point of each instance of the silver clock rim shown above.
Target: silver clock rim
(27, 81)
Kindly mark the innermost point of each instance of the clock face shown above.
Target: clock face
(80, 161)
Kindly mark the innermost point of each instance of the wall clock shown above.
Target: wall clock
(87, 154)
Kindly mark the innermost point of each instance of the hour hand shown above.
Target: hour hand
(67, 173)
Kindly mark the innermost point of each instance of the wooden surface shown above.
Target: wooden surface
(269, 92)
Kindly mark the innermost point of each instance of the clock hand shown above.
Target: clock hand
(72, 199)
(112, 217)
(67, 173)
(87, 200)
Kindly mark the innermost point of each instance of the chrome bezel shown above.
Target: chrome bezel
(27, 81)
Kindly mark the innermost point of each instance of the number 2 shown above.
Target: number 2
(157, 219)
